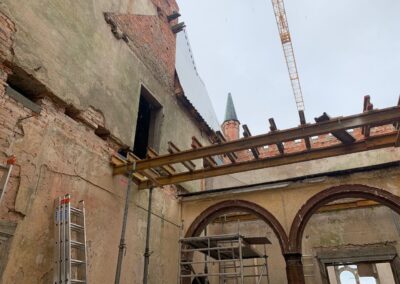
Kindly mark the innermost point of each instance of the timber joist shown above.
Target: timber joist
(339, 125)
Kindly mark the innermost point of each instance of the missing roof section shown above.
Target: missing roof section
(193, 87)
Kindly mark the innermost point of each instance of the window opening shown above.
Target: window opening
(147, 125)
(361, 273)
(26, 98)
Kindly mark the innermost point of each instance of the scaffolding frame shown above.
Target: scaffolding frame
(229, 252)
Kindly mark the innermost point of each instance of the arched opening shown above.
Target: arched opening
(255, 222)
(348, 244)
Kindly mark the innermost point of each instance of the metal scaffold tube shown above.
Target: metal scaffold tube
(147, 248)
(228, 252)
(122, 244)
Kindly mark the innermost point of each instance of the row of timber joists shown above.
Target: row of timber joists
(159, 170)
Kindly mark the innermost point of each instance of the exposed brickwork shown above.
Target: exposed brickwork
(151, 38)
(7, 29)
(165, 7)
(231, 130)
(92, 118)
(16, 120)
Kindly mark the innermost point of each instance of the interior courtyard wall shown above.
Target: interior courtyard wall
(284, 200)
(377, 225)
(70, 49)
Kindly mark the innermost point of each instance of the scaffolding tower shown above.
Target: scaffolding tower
(227, 259)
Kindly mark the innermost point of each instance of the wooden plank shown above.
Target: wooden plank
(118, 160)
(374, 142)
(376, 117)
(273, 128)
(172, 149)
(220, 136)
(152, 176)
(151, 153)
(342, 135)
(304, 122)
(348, 205)
(196, 144)
(247, 133)
(220, 139)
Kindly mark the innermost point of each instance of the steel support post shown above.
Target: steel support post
(122, 244)
(147, 249)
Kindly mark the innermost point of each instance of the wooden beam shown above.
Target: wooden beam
(118, 160)
(348, 205)
(376, 117)
(374, 142)
(221, 139)
(342, 135)
(152, 177)
(304, 122)
(273, 128)
(254, 150)
(172, 149)
(168, 169)
(397, 123)
(196, 145)
(367, 106)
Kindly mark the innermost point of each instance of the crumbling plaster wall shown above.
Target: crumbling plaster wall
(57, 155)
(69, 48)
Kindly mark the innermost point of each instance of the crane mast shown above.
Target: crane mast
(283, 27)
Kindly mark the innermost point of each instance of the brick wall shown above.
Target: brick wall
(7, 30)
(151, 38)
(316, 142)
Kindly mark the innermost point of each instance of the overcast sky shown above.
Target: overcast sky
(344, 49)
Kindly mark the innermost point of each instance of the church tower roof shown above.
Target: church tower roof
(230, 112)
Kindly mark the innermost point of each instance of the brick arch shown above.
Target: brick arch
(331, 194)
(201, 221)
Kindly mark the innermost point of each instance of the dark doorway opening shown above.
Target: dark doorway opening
(148, 124)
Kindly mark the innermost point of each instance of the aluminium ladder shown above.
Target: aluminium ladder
(6, 176)
(70, 258)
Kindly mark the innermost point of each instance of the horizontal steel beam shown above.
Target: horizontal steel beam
(375, 142)
(374, 117)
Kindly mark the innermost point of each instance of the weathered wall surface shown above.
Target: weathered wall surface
(57, 155)
(70, 49)
(345, 162)
(325, 230)
(256, 228)
(284, 200)
(375, 225)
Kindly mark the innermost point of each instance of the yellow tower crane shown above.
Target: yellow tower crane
(283, 27)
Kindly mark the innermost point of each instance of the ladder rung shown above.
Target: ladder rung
(77, 244)
(77, 281)
(76, 211)
(76, 227)
(77, 261)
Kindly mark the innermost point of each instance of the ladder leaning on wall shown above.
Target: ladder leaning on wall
(70, 259)
(7, 169)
